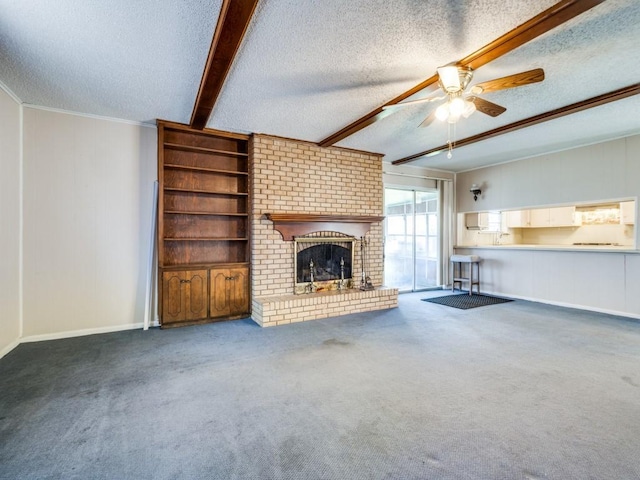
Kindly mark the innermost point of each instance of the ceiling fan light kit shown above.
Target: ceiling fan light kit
(469, 108)
(454, 108)
(449, 79)
(453, 80)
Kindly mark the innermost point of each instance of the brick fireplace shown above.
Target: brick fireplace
(299, 178)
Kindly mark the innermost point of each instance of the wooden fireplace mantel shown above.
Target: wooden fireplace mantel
(296, 224)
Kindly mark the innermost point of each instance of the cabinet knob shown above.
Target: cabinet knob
(185, 281)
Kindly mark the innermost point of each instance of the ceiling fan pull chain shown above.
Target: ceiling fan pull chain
(449, 142)
(455, 133)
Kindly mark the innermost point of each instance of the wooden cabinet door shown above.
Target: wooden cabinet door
(219, 295)
(184, 295)
(229, 295)
(239, 291)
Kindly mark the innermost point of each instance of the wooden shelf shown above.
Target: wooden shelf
(197, 266)
(205, 192)
(206, 239)
(296, 224)
(189, 148)
(224, 214)
(203, 225)
(204, 169)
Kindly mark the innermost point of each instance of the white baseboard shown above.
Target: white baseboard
(156, 323)
(567, 305)
(9, 347)
(80, 333)
(73, 333)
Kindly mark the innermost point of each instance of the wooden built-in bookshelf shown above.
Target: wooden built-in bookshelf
(203, 224)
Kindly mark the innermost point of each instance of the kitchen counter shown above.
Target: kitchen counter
(627, 249)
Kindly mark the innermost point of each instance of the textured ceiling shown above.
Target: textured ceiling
(308, 68)
(135, 60)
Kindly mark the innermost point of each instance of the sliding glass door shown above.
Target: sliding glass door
(411, 239)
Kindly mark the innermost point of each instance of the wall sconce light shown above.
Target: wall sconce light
(475, 190)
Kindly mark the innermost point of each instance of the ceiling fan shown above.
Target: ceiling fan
(454, 79)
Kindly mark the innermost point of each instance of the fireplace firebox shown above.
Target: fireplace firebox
(323, 263)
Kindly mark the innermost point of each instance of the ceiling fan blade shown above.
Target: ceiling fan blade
(511, 81)
(488, 108)
(397, 106)
(427, 121)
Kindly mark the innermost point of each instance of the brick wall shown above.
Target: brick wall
(290, 176)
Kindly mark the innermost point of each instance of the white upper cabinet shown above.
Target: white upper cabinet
(628, 213)
(517, 218)
(564, 217)
(476, 220)
(539, 217)
(543, 217)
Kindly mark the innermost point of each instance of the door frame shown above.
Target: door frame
(414, 190)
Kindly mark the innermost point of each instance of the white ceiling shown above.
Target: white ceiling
(308, 68)
(135, 60)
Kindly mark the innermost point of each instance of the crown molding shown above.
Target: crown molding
(9, 92)
(90, 115)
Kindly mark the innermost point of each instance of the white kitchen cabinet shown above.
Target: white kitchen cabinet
(517, 218)
(543, 218)
(628, 213)
(564, 217)
(539, 217)
(476, 220)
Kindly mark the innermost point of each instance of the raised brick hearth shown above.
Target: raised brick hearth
(293, 177)
(269, 311)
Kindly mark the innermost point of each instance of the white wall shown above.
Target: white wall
(9, 222)
(607, 282)
(88, 187)
(602, 282)
(605, 171)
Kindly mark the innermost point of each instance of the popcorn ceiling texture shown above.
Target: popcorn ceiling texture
(291, 176)
(137, 61)
(333, 61)
(306, 69)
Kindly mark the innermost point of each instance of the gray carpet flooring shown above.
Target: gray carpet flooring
(512, 391)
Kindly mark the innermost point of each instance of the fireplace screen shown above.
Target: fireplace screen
(330, 259)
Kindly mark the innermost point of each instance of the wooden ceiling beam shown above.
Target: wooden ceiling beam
(528, 122)
(233, 21)
(542, 23)
(548, 20)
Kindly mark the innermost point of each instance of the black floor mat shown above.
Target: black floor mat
(465, 301)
